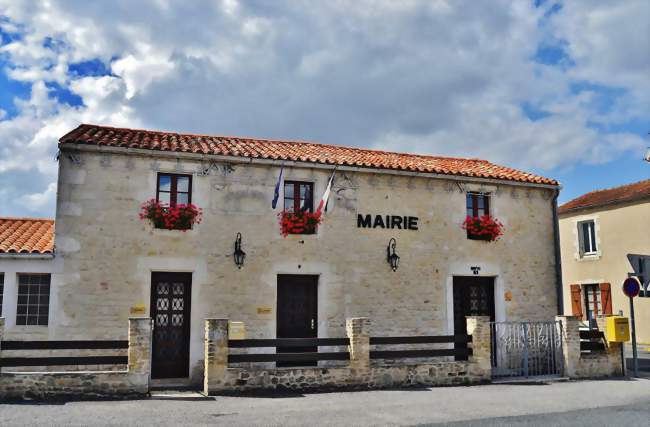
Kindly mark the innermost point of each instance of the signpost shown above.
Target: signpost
(631, 288)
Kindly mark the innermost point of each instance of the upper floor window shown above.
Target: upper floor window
(478, 204)
(587, 237)
(174, 189)
(33, 299)
(298, 196)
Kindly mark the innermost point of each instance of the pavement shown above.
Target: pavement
(621, 402)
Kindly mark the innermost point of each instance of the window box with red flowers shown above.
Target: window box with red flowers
(484, 228)
(298, 222)
(177, 217)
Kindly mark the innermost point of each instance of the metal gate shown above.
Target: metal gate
(526, 349)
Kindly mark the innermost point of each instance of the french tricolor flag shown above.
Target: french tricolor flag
(326, 195)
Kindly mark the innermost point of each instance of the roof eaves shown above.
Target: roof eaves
(630, 200)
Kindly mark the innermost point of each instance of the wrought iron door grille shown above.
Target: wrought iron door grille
(526, 349)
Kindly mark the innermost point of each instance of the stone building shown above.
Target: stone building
(605, 237)
(115, 264)
(26, 267)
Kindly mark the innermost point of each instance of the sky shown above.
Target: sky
(558, 88)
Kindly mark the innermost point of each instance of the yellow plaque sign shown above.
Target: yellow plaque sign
(264, 310)
(508, 296)
(138, 309)
(236, 331)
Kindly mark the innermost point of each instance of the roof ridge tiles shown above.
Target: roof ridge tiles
(295, 150)
(630, 192)
(236, 139)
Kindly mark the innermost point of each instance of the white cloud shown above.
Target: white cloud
(36, 202)
(420, 76)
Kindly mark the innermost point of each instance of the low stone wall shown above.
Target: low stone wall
(132, 381)
(593, 365)
(359, 375)
(315, 379)
(19, 385)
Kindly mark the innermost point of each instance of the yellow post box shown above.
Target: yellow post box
(617, 329)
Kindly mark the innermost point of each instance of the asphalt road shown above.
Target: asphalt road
(617, 402)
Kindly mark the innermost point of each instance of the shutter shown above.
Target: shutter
(581, 239)
(606, 298)
(576, 301)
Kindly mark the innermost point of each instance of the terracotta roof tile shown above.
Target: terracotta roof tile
(26, 235)
(626, 193)
(293, 151)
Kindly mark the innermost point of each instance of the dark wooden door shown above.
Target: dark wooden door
(297, 312)
(473, 296)
(170, 309)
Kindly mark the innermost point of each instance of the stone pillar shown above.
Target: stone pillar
(480, 360)
(570, 337)
(216, 354)
(140, 352)
(358, 330)
(612, 350)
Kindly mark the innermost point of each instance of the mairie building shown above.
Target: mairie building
(390, 244)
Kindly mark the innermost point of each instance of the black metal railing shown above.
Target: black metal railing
(284, 344)
(458, 351)
(591, 341)
(63, 360)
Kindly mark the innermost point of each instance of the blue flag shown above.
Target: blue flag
(276, 195)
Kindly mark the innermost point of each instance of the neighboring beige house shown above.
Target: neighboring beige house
(26, 267)
(115, 264)
(605, 236)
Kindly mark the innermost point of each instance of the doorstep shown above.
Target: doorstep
(172, 384)
(184, 395)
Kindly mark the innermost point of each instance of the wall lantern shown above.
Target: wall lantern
(238, 255)
(391, 256)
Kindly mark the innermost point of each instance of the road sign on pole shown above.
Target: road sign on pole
(631, 288)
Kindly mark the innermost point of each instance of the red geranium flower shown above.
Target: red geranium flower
(485, 226)
(300, 222)
(179, 217)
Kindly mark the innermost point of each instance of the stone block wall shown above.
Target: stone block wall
(359, 374)
(103, 274)
(596, 364)
(87, 384)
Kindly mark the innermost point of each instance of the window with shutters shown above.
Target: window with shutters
(587, 238)
(33, 299)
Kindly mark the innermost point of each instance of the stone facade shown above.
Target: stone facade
(130, 382)
(360, 374)
(596, 364)
(108, 253)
